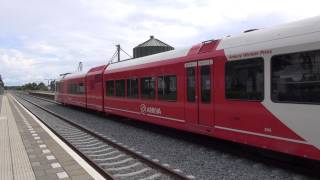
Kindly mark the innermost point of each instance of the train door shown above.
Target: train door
(199, 86)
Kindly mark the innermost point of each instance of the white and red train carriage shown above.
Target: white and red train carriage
(260, 88)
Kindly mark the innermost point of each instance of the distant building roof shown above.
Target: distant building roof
(153, 42)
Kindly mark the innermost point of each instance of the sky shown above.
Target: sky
(40, 39)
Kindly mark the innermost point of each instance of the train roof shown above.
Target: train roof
(97, 70)
(279, 32)
(75, 75)
(149, 59)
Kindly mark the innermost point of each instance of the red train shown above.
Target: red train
(260, 88)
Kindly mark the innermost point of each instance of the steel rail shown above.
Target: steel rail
(44, 99)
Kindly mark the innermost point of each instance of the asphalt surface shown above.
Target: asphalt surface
(195, 155)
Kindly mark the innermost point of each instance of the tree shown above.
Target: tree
(35, 86)
(41, 86)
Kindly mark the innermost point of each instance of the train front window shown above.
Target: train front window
(205, 84)
(296, 77)
(191, 84)
(245, 80)
(148, 88)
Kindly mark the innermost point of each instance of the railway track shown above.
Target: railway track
(307, 168)
(112, 159)
(41, 98)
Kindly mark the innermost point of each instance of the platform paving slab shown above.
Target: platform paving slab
(27, 151)
(14, 161)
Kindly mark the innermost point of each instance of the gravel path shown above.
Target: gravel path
(195, 155)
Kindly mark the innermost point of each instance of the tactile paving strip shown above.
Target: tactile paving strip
(48, 159)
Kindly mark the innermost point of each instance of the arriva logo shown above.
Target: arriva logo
(151, 110)
(143, 109)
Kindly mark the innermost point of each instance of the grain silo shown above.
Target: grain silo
(151, 46)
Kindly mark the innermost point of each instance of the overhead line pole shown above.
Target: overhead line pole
(118, 51)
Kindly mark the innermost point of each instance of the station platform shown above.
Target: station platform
(29, 150)
(44, 94)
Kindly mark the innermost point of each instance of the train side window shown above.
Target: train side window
(72, 89)
(295, 77)
(132, 88)
(110, 88)
(148, 88)
(245, 79)
(120, 88)
(167, 88)
(205, 84)
(81, 88)
(69, 88)
(191, 84)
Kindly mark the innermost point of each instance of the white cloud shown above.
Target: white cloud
(14, 58)
(42, 38)
(13, 63)
(111, 10)
(22, 67)
(41, 48)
